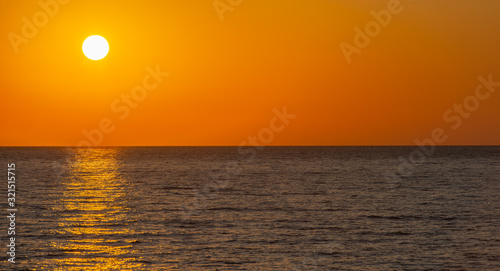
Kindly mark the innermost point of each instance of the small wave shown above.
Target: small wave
(177, 188)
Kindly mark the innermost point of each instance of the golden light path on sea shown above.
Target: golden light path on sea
(94, 217)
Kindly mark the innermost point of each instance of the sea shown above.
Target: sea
(259, 208)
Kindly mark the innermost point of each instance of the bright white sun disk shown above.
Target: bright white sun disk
(95, 47)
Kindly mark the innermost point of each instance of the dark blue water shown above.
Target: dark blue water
(286, 208)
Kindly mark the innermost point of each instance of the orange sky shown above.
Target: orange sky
(226, 76)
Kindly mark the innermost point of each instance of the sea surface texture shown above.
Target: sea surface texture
(273, 208)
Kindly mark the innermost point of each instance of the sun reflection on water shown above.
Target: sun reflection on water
(94, 225)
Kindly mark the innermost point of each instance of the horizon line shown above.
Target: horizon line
(230, 146)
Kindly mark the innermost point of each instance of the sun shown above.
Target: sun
(95, 47)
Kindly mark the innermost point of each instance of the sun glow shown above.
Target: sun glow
(95, 47)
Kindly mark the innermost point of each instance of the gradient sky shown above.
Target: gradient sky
(226, 77)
